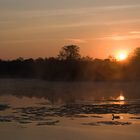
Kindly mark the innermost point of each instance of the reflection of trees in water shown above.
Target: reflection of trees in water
(52, 97)
(68, 92)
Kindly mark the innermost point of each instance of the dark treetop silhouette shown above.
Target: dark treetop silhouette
(70, 66)
(70, 52)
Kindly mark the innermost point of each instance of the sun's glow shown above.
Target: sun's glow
(122, 55)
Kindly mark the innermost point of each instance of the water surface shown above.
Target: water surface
(36, 109)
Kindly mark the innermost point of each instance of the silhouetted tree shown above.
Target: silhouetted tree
(136, 55)
(132, 69)
(70, 52)
(69, 66)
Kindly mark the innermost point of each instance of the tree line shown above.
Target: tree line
(69, 65)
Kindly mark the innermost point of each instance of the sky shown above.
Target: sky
(39, 28)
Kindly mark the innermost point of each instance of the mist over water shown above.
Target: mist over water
(69, 91)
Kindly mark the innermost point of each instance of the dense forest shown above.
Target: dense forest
(69, 65)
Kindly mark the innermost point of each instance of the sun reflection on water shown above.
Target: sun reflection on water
(118, 102)
(121, 98)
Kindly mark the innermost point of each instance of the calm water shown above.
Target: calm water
(34, 107)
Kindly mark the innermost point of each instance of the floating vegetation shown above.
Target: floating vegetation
(107, 123)
(137, 118)
(80, 116)
(3, 107)
(48, 123)
(91, 123)
(6, 118)
(44, 115)
(77, 110)
(24, 122)
(114, 123)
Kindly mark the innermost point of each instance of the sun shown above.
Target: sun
(122, 55)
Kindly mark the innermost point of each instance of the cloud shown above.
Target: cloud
(69, 18)
(21, 41)
(119, 37)
(94, 23)
(76, 40)
(69, 11)
(134, 32)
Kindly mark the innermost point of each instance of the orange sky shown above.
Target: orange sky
(40, 28)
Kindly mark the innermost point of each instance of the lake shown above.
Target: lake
(36, 109)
